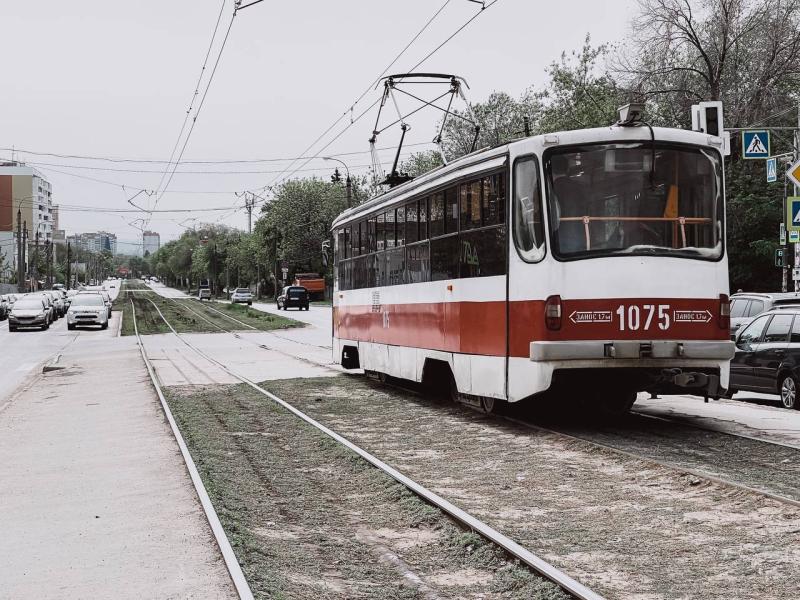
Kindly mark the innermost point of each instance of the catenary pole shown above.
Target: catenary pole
(796, 154)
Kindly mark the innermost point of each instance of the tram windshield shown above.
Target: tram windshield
(635, 198)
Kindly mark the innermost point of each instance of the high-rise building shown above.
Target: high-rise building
(23, 189)
(151, 242)
(95, 242)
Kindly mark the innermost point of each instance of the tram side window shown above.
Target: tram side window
(470, 201)
(437, 215)
(395, 266)
(528, 224)
(371, 234)
(341, 245)
(494, 199)
(380, 232)
(347, 250)
(418, 263)
(362, 237)
(412, 223)
(400, 220)
(389, 228)
(451, 210)
(482, 252)
(423, 219)
(444, 258)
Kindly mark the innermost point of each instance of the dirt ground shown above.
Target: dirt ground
(309, 519)
(623, 526)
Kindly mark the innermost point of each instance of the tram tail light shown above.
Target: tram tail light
(724, 311)
(552, 313)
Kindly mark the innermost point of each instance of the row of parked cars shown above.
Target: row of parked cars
(766, 329)
(40, 309)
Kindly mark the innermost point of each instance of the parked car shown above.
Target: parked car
(242, 296)
(48, 299)
(87, 309)
(293, 295)
(204, 293)
(58, 302)
(746, 306)
(5, 307)
(30, 311)
(767, 358)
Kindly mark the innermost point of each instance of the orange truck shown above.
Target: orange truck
(313, 282)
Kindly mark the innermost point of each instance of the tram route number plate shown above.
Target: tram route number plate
(641, 318)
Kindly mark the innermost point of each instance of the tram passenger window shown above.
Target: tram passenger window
(389, 228)
(528, 225)
(400, 217)
(470, 202)
(371, 235)
(412, 223)
(494, 199)
(381, 274)
(380, 232)
(423, 219)
(363, 241)
(348, 252)
(437, 215)
(341, 246)
(444, 258)
(396, 266)
(418, 264)
(354, 240)
(482, 253)
(451, 210)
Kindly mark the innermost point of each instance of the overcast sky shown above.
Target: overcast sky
(114, 79)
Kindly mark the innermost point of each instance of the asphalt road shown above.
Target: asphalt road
(24, 352)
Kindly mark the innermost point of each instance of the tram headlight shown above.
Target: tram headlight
(552, 313)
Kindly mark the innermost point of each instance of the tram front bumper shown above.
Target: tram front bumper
(656, 350)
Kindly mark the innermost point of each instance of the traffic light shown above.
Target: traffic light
(780, 257)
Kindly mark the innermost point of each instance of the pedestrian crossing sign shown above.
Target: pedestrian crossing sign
(772, 170)
(793, 213)
(755, 144)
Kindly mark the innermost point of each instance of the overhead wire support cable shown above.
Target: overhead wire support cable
(366, 91)
(194, 95)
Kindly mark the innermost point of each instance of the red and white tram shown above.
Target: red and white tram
(588, 262)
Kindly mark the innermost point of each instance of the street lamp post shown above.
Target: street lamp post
(348, 182)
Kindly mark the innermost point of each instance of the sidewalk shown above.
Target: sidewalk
(96, 501)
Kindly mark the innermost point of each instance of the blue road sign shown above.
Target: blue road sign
(793, 212)
(772, 170)
(755, 144)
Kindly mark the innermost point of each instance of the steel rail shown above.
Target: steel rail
(655, 461)
(716, 430)
(536, 563)
(228, 555)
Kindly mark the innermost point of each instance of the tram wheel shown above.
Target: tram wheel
(488, 405)
(615, 403)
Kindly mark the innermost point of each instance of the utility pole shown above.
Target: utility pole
(796, 155)
(69, 266)
(48, 253)
(249, 203)
(25, 254)
(20, 258)
(35, 269)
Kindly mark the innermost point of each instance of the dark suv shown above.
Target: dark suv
(293, 295)
(767, 356)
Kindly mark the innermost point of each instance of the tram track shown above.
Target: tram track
(512, 548)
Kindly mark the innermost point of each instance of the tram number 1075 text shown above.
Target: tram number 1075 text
(635, 318)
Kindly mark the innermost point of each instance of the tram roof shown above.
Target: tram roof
(488, 158)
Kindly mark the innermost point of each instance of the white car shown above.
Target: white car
(242, 296)
(103, 294)
(87, 309)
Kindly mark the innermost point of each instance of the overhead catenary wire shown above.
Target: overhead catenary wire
(417, 65)
(194, 95)
(352, 106)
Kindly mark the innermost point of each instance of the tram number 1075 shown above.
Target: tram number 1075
(634, 318)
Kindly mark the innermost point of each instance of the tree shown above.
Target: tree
(420, 163)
